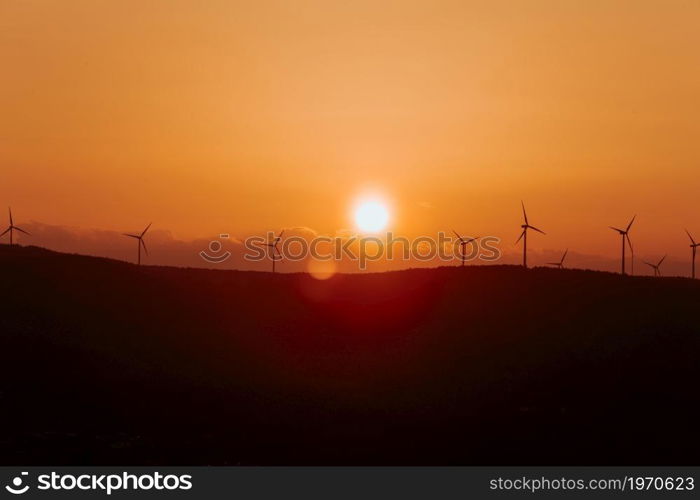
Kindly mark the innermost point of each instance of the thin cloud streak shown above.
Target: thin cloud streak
(165, 249)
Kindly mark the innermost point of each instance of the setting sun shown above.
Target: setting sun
(371, 216)
(366, 235)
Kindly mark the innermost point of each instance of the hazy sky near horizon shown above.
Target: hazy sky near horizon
(225, 116)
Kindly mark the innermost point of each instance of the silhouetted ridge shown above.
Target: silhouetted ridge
(106, 362)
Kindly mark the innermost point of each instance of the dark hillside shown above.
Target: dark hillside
(103, 362)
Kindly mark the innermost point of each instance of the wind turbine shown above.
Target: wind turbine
(559, 264)
(13, 228)
(140, 242)
(523, 235)
(275, 251)
(463, 243)
(625, 239)
(694, 246)
(657, 271)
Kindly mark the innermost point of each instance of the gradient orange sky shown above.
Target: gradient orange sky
(224, 116)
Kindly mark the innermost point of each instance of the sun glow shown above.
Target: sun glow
(371, 216)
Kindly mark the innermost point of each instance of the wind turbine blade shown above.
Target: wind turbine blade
(564, 256)
(131, 235)
(630, 224)
(457, 235)
(535, 229)
(691, 238)
(629, 242)
(144, 231)
(10, 211)
(521, 236)
(616, 229)
(143, 243)
(21, 230)
(524, 213)
(279, 236)
(649, 263)
(661, 261)
(6, 231)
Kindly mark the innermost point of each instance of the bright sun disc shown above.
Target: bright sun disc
(371, 216)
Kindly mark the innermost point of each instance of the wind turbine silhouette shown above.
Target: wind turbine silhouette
(657, 271)
(12, 228)
(559, 264)
(625, 239)
(140, 242)
(463, 242)
(275, 250)
(523, 235)
(694, 246)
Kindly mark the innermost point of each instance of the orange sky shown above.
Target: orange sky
(223, 116)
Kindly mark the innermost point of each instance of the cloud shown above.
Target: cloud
(165, 249)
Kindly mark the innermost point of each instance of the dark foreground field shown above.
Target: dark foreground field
(102, 362)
